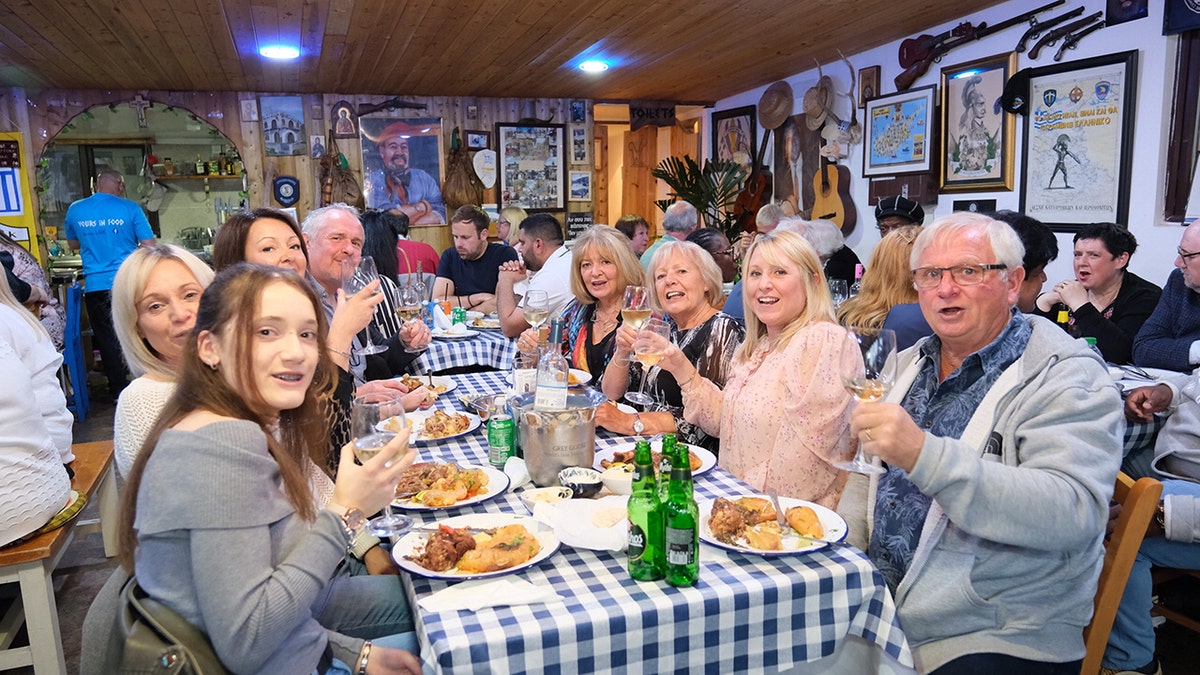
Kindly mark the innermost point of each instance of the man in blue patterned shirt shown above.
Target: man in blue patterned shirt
(1000, 444)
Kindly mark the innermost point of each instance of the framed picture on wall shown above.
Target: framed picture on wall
(579, 145)
(532, 166)
(868, 84)
(283, 125)
(345, 121)
(733, 135)
(403, 168)
(978, 137)
(478, 140)
(899, 133)
(581, 186)
(1078, 148)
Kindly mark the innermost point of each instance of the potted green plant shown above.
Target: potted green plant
(711, 188)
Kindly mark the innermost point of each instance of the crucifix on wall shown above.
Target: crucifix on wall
(140, 104)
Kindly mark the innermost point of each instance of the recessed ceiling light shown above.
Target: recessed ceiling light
(281, 52)
(593, 66)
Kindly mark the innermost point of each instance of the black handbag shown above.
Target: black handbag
(158, 640)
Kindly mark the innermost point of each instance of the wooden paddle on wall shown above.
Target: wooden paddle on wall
(831, 188)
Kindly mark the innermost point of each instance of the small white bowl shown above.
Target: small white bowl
(618, 479)
(548, 495)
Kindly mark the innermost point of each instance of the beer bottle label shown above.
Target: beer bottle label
(680, 544)
(637, 542)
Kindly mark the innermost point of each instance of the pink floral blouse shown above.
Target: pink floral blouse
(783, 416)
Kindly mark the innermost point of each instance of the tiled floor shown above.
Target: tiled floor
(84, 570)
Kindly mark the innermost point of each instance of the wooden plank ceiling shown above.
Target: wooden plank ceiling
(678, 50)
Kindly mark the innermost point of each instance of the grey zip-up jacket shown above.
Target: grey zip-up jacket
(1012, 546)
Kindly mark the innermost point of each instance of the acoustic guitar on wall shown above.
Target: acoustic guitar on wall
(831, 188)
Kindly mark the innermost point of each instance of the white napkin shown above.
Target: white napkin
(498, 592)
(517, 472)
(441, 321)
(573, 524)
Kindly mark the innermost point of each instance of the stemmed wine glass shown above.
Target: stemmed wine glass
(839, 291)
(410, 310)
(355, 279)
(868, 371)
(648, 350)
(367, 415)
(635, 310)
(536, 309)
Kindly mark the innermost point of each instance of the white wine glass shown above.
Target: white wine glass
(648, 350)
(536, 308)
(372, 418)
(635, 310)
(410, 310)
(354, 280)
(868, 371)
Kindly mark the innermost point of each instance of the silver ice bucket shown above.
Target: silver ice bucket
(552, 440)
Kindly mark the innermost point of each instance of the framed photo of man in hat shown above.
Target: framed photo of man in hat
(978, 137)
(402, 166)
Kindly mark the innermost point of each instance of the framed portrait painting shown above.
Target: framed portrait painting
(899, 133)
(733, 135)
(1078, 148)
(978, 137)
(344, 120)
(403, 167)
(532, 166)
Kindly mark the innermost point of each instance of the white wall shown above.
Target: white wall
(1156, 62)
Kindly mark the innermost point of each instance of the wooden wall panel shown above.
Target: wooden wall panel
(641, 155)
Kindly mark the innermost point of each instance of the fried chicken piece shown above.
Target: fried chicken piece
(423, 475)
(443, 549)
(728, 522)
(440, 424)
(509, 546)
(805, 521)
(758, 510)
(765, 536)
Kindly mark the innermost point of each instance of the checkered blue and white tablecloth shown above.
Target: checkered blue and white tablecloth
(746, 614)
(489, 349)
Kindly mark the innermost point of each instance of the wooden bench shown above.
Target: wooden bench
(32, 564)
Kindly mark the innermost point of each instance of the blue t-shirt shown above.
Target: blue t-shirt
(475, 276)
(108, 229)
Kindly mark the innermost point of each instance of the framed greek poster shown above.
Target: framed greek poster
(1079, 142)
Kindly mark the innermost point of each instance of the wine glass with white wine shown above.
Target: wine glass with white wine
(410, 310)
(374, 422)
(635, 310)
(868, 371)
(355, 279)
(648, 350)
(536, 308)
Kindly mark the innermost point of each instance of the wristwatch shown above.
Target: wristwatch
(1160, 515)
(353, 522)
(638, 425)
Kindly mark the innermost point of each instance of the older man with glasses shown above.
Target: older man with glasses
(1170, 338)
(999, 447)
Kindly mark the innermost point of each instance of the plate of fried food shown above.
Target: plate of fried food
(434, 383)
(701, 459)
(486, 321)
(434, 424)
(748, 525)
(435, 486)
(475, 546)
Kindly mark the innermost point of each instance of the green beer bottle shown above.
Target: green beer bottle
(683, 525)
(646, 539)
(664, 465)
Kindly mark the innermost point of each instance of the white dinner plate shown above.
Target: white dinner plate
(447, 335)
(707, 459)
(489, 321)
(438, 381)
(414, 540)
(416, 421)
(498, 483)
(835, 529)
(581, 377)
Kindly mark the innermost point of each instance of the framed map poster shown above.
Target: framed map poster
(1079, 142)
(532, 166)
(899, 133)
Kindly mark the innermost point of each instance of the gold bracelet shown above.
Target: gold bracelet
(363, 655)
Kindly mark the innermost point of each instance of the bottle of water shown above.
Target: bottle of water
(552, 373)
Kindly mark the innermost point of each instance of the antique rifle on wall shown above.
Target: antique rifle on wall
(390, 104)
(905, 79)
(1071, 40)
(1036, 29)
(1062, 31)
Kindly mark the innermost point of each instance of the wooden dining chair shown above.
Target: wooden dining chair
(1162, 575)
(1138, 501)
